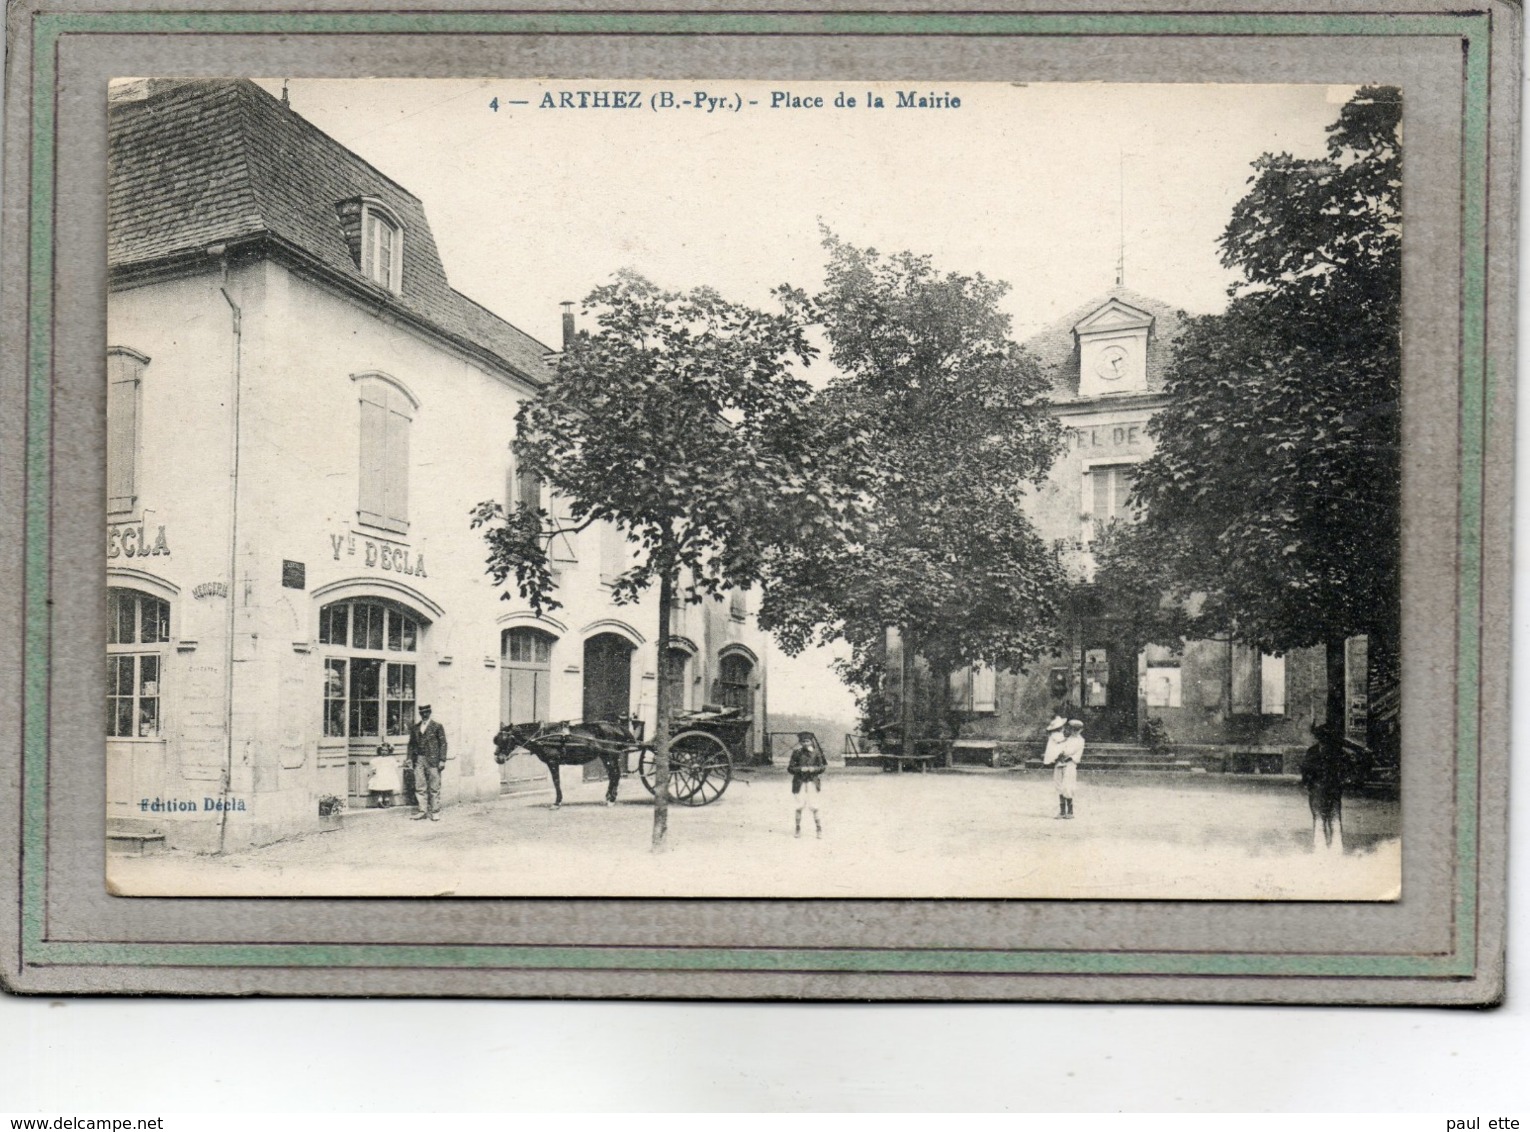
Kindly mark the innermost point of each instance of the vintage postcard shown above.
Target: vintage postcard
(1137, 390)
(918, 504)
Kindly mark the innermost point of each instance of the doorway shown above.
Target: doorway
(1108, 679)
(607, 685)
(607, 677)
(525, 679)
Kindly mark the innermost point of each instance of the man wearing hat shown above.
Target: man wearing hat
(427, 751)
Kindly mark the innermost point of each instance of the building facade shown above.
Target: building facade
(301, 414)
(1217, 704)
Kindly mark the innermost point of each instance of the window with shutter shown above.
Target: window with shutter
(387, 412)
(124, 406)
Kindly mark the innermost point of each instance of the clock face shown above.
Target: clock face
(1111, 364)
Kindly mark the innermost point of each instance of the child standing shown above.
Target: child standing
(1068, 758)
(386, 777)
(1055, 738)
(807, 765)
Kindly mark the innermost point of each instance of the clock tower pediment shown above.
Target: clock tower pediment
(1112, 349)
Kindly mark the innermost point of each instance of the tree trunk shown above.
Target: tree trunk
(661, 712)
(906, 700)
(1333, 705)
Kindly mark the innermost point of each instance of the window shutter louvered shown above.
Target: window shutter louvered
(961, 689)
(374, 426)
(983, 688)
(383, 495)
(122, 410)
(396, 477)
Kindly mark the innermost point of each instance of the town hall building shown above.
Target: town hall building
(1215, 704)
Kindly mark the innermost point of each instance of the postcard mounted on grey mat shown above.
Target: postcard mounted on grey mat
(924, 504)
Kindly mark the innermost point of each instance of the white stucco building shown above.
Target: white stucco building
(302, 412)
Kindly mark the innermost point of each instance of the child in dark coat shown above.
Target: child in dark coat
(807, 765)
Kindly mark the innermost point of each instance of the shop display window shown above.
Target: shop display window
(366, 695)
(137, 623)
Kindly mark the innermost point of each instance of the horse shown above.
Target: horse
(568, 744)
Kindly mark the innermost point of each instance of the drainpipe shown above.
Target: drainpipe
(220, 252)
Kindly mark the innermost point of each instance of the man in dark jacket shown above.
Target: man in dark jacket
(427, 751)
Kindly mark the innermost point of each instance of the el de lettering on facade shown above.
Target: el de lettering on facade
(1211, 704)
(296, 409)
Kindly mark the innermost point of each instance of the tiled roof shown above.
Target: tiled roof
(205, 162)
(1057, 350)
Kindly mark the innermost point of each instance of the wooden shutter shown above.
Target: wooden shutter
(374, 428)
(383, 499)
(396, 463)
(1245, 679)
(983, 688)
(961, 688)
(612, 553)
(124, 374)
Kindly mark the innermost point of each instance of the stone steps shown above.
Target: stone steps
(130, 837)
(1125, 757)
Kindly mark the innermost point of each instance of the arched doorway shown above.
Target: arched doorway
(607, 677)
(525, 681)
(607, 684)
(735, 689)
(735, 682)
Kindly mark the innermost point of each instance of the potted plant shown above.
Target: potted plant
(331, 810)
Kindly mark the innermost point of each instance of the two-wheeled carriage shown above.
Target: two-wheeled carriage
(701, 750)
(703, 747)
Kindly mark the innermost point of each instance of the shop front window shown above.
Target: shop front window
(369, 689)
(138, 628)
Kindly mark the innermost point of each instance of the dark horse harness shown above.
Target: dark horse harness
(570, 744)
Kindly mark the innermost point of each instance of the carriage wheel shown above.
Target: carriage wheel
(706, 766)
(681, 784)
(700, 768)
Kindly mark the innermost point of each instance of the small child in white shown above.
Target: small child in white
(807, 765)
(386, 778)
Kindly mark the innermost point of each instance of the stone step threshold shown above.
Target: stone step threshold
(134, 843)
(1165, 766)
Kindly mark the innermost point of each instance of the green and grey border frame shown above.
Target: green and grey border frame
(64, 934)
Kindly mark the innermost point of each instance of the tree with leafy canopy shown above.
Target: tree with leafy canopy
(681, 422)
(1272, 500)
(954, 431)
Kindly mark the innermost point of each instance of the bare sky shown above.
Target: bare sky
(1031, 184)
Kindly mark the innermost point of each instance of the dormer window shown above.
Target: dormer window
(375, 237)
(382, 247)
